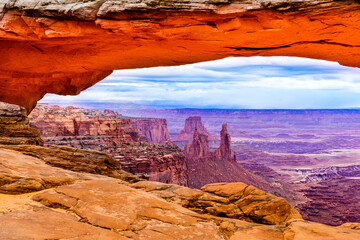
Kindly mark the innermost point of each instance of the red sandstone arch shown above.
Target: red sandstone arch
(42, 52)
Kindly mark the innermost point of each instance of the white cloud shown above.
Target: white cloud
(255, 82)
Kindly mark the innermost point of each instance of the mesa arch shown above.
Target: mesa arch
(64, 47)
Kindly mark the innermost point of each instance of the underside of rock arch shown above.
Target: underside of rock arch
(65, 47)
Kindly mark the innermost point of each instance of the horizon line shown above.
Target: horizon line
(223, 109)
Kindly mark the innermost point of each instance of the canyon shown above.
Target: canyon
(113, 133)
(78, 191)
(103, 35)
(142, 146)
(295, 177)
(295, 154)
(64, 47)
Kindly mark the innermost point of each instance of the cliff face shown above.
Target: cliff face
(101, 36)
(333, 202)
(198, 150)
(15, 127)
(55, 121)
(163, 164)
(192, 123)
(154, 130)
(103, 131)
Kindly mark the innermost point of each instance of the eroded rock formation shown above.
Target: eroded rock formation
(165, 164)
(192, 123)
(206, 167)
(154, 130)
(225, 152)
(101, 36)
(198, 150)
(115, 135)
(55, 121)
(15, 126)
(333, 202)
(85, 195)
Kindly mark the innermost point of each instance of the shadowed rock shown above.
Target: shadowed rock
(154, 130)
(225, 152)
(15, 127)
(198, 150)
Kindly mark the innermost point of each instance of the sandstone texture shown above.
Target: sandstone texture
(15, 126)
(163, 163)
(233, 200)
(67, 193)
(192, 123)
(103, 35)
(198, 150)
(92, 206)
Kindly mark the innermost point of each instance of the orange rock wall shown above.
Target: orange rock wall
(65, 55)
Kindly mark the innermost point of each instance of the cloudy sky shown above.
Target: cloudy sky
(230, 83)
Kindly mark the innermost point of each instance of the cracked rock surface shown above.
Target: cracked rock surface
(80, 205)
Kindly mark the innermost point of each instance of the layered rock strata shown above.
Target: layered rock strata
(15, 126)
(192, 123)
(55, 121)
(117, 136)
(333, 202)
(163, 163)
(153, 130)
(67, 193)
(85, 204)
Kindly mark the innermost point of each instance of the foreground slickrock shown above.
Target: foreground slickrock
(92, 206)
(67, 193)
(78, 43)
